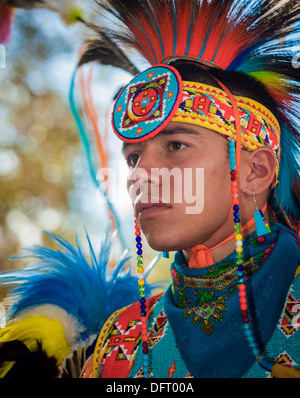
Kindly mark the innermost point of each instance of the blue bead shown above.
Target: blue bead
(236, 219)
(248, 332)
(256, 352)
(143, 313)
(241, 267)
(139, 252)
(139, 245)
(142, 307)
(138, 239)
(232, 143)
(236, 207)
(142, 300)
(236, 213)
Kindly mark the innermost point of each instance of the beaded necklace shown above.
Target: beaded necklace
(248, 329)
(140, 265)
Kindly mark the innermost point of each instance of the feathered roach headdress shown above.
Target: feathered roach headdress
(253, 38)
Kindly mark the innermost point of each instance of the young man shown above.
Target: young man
(210, 136)
(195, 329)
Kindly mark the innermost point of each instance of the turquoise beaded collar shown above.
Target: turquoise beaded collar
(204, 302)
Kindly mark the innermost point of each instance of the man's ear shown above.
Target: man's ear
(258, 170)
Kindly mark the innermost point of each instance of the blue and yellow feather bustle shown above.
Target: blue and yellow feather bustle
(60, 303)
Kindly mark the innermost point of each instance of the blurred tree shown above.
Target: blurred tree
(39, 144)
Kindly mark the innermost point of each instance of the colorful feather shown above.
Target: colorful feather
(66, 279)
(92, 161)
(62, 300)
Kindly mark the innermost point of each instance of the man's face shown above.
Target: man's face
(185, 209)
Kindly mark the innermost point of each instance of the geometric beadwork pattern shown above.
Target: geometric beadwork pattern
(158, 329)
(120, 341)
(147, 104)
(290, 322)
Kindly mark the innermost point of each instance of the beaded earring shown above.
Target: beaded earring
(262, 227)
(142, 294)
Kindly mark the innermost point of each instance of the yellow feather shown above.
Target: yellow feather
(5, 368)
(272, 80)
(47, 331)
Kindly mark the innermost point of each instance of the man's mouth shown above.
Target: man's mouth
(149, 210)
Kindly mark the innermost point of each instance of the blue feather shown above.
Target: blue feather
(90, 291)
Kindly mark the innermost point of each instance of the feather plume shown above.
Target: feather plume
(65, 281)
(229, 34)
(103, 50)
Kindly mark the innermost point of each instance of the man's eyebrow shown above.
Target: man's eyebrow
(179, 130)
(168, 132)
(126, 145)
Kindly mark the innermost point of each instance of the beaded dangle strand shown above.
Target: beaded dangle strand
(142, 294)
(264, 362)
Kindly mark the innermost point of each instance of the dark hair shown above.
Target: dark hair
(237, 82)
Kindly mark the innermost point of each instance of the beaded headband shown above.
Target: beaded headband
(158, 96)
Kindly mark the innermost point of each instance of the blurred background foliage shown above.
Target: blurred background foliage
(44, 179)
(39, 145)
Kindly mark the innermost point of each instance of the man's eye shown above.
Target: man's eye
(176, 146)
(133, 159)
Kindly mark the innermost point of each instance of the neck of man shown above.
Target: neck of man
(223, 242)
